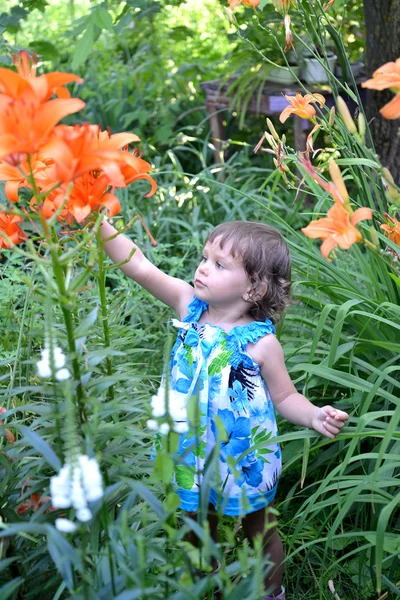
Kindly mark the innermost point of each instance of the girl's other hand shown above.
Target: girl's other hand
(329, 421)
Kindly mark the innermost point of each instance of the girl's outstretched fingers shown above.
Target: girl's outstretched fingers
(329, 421)
(334, 420)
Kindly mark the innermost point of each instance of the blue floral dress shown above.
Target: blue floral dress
(234, 414)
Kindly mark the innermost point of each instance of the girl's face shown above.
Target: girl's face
(220, 278)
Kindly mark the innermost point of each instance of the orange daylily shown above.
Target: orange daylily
(387, 76)
(337, 228)
(89, 193)
(234, 3)
(301, 106)
(27, 115)
(9, 224)
(16, 177)
(392, 229)
(25, 83)
(35, 501)
(9, 435)
(138, 169)
(82, 148)
(26, 125)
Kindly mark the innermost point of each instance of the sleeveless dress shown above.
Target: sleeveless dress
(212, 369)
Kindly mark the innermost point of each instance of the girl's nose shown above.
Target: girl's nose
(203, 268)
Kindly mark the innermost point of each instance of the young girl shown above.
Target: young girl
(227, 352)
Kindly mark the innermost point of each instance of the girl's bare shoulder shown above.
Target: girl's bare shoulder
(264, 348)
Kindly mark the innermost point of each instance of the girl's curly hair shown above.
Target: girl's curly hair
(266, 260)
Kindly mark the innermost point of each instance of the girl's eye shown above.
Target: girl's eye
(203, 258)
(220, 266)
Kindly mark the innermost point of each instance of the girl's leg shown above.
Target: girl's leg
(253, 525)
(212, 518)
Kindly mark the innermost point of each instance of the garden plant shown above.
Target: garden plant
(87, 505)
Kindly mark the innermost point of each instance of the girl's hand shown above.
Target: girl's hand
(329, 421)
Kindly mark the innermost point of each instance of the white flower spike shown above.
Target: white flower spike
(65, 525)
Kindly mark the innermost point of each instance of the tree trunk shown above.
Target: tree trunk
(382, 21)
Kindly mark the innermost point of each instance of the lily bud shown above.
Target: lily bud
(271, 140)
(338, 181)
(282, 6)
(332, 113)
(345, 114)
(288, 31)
(362, 126)
(374, 237)
(272, 130)
(392, 193)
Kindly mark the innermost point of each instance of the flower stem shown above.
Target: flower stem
(67, 314)
(52, 241)
(103, 302)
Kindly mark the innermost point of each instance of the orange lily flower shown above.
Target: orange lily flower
(25, 125)
(138, 170)
(392, 229)
(9, 435)
(234, 3)
(27, 116)
(35, 501)
(16, 177)
(82, 148)
(337, 228)
(26, 84)
(9, 224)
(301, 106)
(387, 76)
(89, 193)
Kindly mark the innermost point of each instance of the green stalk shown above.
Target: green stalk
(52, 241)
(59, 277)
(103, 301)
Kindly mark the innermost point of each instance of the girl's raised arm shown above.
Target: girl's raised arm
(174, 292)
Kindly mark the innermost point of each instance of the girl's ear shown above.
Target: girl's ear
(255, 294)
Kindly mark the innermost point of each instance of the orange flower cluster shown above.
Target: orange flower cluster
(338, 227)
(38, 153)
(387, 76)
(235, 3)
(392, 228)
(35, 502)
(10, 231)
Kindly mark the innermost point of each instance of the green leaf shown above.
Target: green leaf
(102, 18)
(10, 587)
(361, 162)
(87, 324)
(45, 49)
(6, 562)
(172, 502)
(83, 47)
(41, 446)
(137, 594)
(64, 556)
(164, 467)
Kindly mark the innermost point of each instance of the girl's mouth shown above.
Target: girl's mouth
(199, 283)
